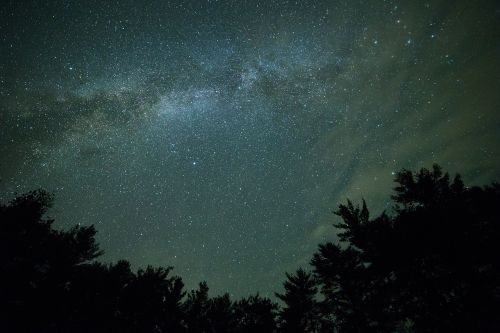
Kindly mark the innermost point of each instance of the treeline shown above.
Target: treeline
(431, 265)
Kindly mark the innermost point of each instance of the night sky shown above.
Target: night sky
(217, 136)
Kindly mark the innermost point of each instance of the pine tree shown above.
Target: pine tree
(301, 311)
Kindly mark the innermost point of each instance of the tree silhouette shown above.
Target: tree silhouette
(430, 265)
(52, 283)
(94, 298)
(196, 310)
(255, 314)
(301, 312)
(219, 314)
(37, 261)
(152, 301)
(433, 266)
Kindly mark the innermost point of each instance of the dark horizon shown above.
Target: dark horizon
(217, 136)
(431, 265)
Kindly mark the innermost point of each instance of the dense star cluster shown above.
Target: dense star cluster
(217, 136)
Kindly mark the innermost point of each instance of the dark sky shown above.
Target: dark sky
(217, 136)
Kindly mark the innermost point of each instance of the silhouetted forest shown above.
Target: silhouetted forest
(432, 264)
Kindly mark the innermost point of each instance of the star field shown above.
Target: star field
(217, 136)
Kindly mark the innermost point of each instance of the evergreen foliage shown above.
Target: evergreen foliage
(430, 265)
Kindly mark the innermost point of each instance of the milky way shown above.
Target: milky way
(217, 136)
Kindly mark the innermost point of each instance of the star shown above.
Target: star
(239, 127)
